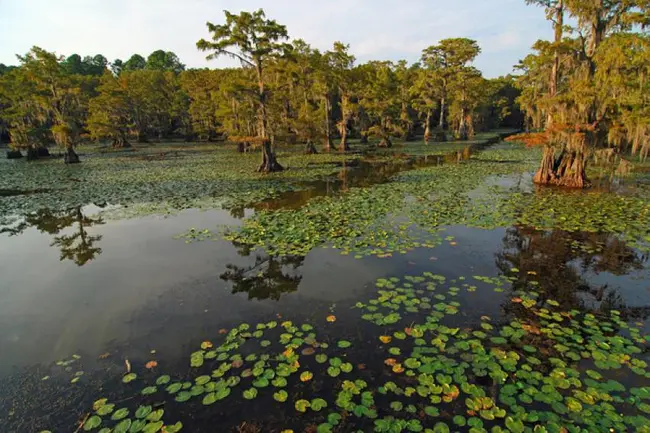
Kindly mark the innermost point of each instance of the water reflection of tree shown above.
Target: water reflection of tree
(77, 245)
(561, 261)
(268, 278)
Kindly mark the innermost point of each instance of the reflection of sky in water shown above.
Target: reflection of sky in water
(147, 290)
(50, 309)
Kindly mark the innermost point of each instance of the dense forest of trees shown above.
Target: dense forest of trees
(586, 93)
(283, 91)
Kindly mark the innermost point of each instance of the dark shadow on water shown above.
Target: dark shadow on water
(563, 263)
(16, 192)
(268, 277)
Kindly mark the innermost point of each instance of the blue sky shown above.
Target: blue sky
(375, 29)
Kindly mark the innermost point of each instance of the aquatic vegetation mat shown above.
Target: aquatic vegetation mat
(410, 211)
(418, 366)
(213, 177)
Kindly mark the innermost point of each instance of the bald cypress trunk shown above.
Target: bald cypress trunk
(71, 156)
(569, 169)
(328, 125)
(555, 70)
(269, 162)
(427, 127)
(545, 174)
(343, 125)
(463, 129)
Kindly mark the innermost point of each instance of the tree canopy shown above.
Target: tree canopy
(586, 91)
(282, 91)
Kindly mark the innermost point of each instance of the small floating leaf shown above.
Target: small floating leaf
(210, 398)
(174, 428)
(163, 380)
(123, 426)
(143, 412)
(174, 388)
(183, 396)
(302, 405)
(129, 377)
(281, 396)
(105, 409)
(153, 427)
(149, 390)
(156, 415)
(92, 422)
(250, 393)
(120, 414)
(317, 404)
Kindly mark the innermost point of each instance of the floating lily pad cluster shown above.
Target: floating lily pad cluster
(107, 417)
(159, 180)
(544, 370)
(268, 360)
(411, 210)
(539, 368)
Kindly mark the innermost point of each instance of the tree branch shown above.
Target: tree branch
(241, 58)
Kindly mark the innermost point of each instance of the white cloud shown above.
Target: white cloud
(375, 29)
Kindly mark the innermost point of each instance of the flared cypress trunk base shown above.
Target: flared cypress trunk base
(120, 144)
(34, 153)
(71, 156)
(463, 133)
(344, 145)
(364, 138)
(545, 174)
(439, 136)
(310, 149)
(269, 162)
(568, 170)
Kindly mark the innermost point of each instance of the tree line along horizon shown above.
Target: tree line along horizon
(309, 97)
(584, 94)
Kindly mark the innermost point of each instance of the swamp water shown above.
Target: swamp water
(458, 298)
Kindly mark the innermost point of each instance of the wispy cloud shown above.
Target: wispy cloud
(375, 29)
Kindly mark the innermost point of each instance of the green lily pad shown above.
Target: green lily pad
(302, 405)
(281, 396)
(129, 377)
(92, 423)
